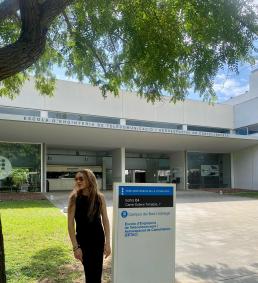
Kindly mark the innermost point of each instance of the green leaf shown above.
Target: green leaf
(152, 47)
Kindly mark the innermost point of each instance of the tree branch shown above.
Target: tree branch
(88, 44)
(8, 8)
(30, 45)
(51, 9)
(36, 18)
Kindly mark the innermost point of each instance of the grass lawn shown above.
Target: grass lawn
(37, 247)
(247, 194)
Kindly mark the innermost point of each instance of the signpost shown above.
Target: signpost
(144, 233)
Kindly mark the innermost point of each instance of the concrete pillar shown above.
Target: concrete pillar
(184, 128)
(122, 121)
(104, 176)
(178, 168)
(118, 165)
(232, 170)
(43, 114)
(133, 176)
(43, 168)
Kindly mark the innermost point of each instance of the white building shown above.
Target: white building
(125, 138)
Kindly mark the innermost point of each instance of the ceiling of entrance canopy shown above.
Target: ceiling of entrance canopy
(65, 136)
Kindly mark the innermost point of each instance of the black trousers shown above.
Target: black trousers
(93, 261)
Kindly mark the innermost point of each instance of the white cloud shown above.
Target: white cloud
(226, 88)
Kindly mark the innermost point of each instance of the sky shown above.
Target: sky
(228, 84)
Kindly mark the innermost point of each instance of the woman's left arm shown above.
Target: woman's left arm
(105, 221)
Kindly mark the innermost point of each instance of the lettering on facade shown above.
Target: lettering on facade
(113, 126)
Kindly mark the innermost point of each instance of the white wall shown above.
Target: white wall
(29, 98)
(238, 99)
(245, 167)
(85, 99)
(203, 114)
(246, 113)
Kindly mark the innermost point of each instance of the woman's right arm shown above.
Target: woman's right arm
(71, 230)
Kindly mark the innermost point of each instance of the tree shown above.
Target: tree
(19, 176)
(151, 46)
(2, 257)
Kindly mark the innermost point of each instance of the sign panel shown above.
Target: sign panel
(143, 233)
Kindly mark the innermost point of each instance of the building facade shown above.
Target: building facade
(191, 143)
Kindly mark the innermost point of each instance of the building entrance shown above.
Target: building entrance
(208, 170)
(61, 177)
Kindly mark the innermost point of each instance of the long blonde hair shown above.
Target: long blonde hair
(94, 195)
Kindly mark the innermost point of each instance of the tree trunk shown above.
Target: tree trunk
(20, 55)
(8, 9)
(36, 17)
(2, 259)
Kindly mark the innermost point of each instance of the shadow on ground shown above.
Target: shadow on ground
(51, 265)
(217, 273)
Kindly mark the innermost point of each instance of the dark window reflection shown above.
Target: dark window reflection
(208, 170)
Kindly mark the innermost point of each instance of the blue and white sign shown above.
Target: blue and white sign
(144, 233)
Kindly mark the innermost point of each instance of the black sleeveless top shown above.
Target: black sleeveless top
(87, 229)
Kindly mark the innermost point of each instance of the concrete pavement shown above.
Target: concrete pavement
(216, 236)
(216, 239)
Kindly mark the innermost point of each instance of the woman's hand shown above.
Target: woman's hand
(78, 254)
(107, 250)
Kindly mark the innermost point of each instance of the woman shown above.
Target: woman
(87, 208)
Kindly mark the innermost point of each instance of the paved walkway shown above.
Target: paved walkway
(216, 236)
